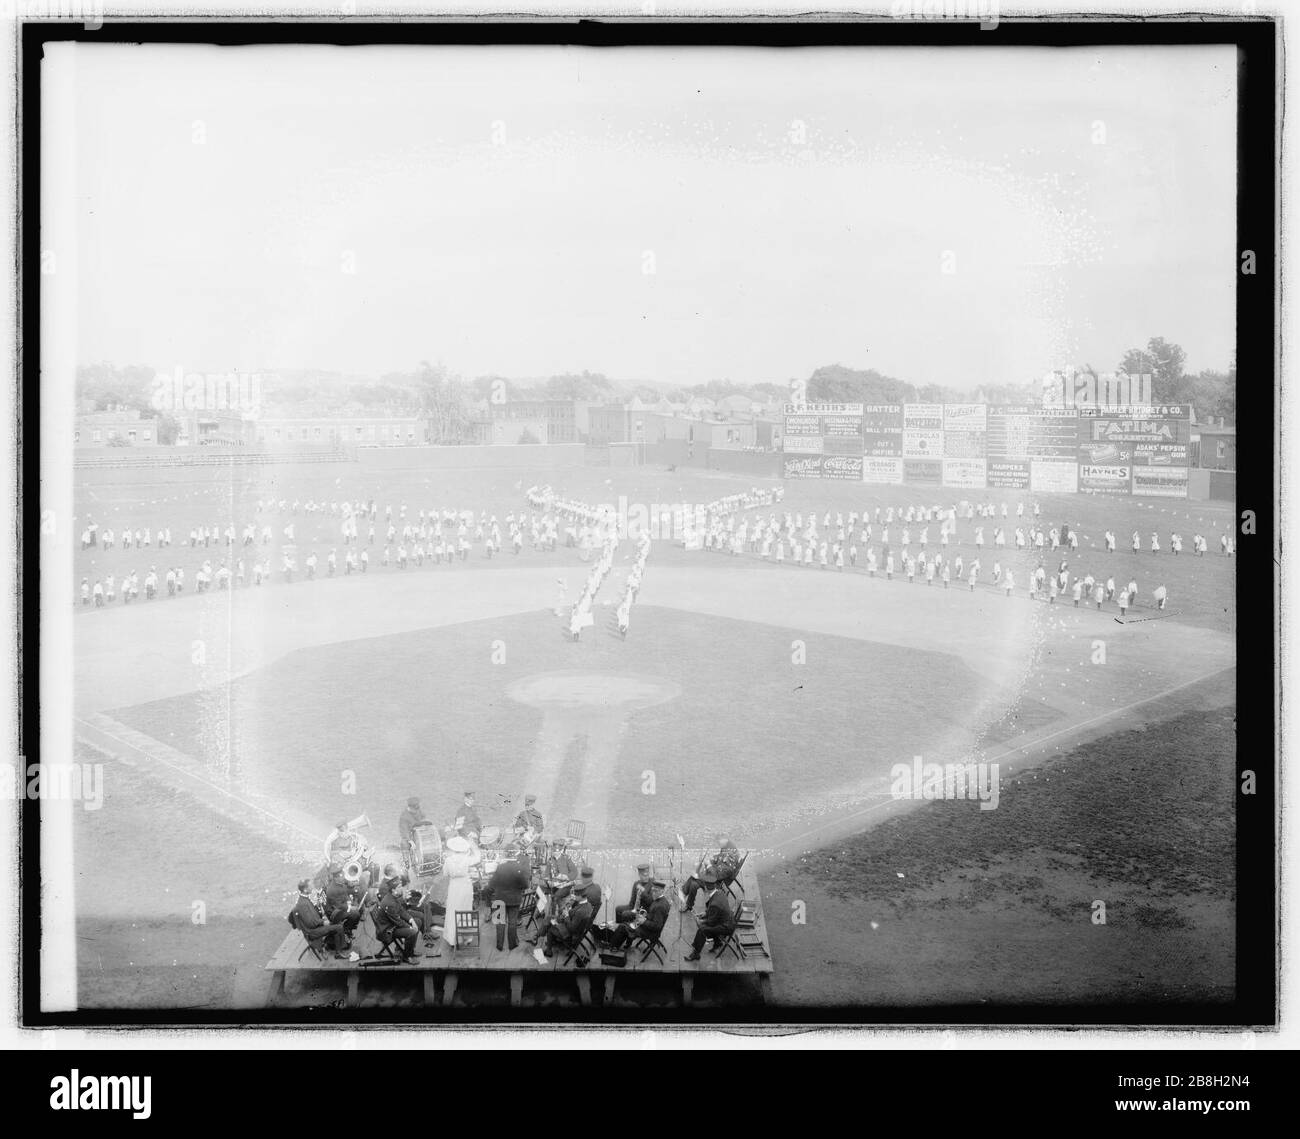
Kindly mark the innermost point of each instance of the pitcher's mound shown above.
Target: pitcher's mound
(592, 690)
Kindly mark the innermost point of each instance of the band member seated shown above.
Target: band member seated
(424, 911)
(567, 929)
(645, 924)
(528, 823)
(342, 903)
(723, 864)
(407, 821)
(467, 820)
(718, 919)
(560, 865)
(641, 895)
(394, 923)
(340, 844)
(503, 894)
(586, 886)
(312, 924)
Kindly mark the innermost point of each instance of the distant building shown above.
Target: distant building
(559, 417)
(199, 428)
(106, 428)
(382, 431)
(734, 435)
(1216, 449)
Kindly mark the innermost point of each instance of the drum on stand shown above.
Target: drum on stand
(426, 858)
(491, 837)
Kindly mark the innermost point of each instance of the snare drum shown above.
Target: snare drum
(427, 856)
(490, 836)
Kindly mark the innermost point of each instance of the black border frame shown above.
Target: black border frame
(1258, 875)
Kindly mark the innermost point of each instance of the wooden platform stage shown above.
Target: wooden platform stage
(615, 871)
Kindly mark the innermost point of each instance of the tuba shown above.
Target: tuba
(362, 852)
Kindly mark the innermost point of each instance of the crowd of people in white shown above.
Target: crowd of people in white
(918, 541)
(251, 553)
(922, 542)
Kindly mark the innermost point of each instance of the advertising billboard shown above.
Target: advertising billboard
(1160, 481)
(965, 474)
(1010, 474)
(1053, 476)
(1105, 478)
(922, 443)
(842, 467)
(882, 430)
(928, 471)
(882, 470)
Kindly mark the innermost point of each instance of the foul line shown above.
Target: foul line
(201, 779)
(1082, 724)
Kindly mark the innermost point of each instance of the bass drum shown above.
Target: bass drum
(426, 858)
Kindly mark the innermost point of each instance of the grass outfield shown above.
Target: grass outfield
(949, 904)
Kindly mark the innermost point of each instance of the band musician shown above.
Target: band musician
(527, 827)
(407, 821)
(718, 920)
(641, 895)
(312, 924)
(566, 928)
(723, 865)
(559, 864)
(342, 904)
(467, 820)
(645, 925)
(340, 844)
(394, 922)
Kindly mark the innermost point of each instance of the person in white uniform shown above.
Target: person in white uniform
(456, 864)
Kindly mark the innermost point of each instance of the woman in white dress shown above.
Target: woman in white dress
(456, 863)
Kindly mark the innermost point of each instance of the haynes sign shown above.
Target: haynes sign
(1105, 478)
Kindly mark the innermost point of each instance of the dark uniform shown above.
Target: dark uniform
(568, 932)
(724, 865)
(530, 818)
(506, 888)
(639, 900)
(656, 918)
(337, 896)
(718, 921)
(467, 820)
(314, 927)
(393, 923)
(407, 821)
(561, 866)
(588, 889)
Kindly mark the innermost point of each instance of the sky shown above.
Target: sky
(952, 216)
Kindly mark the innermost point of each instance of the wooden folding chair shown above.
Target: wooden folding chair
(585, 949)
(528, 908)
(656, 947)
(314, 948)
(467, 930)
(743, 940)
(734, 880)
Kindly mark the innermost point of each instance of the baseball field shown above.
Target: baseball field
(774, 702)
